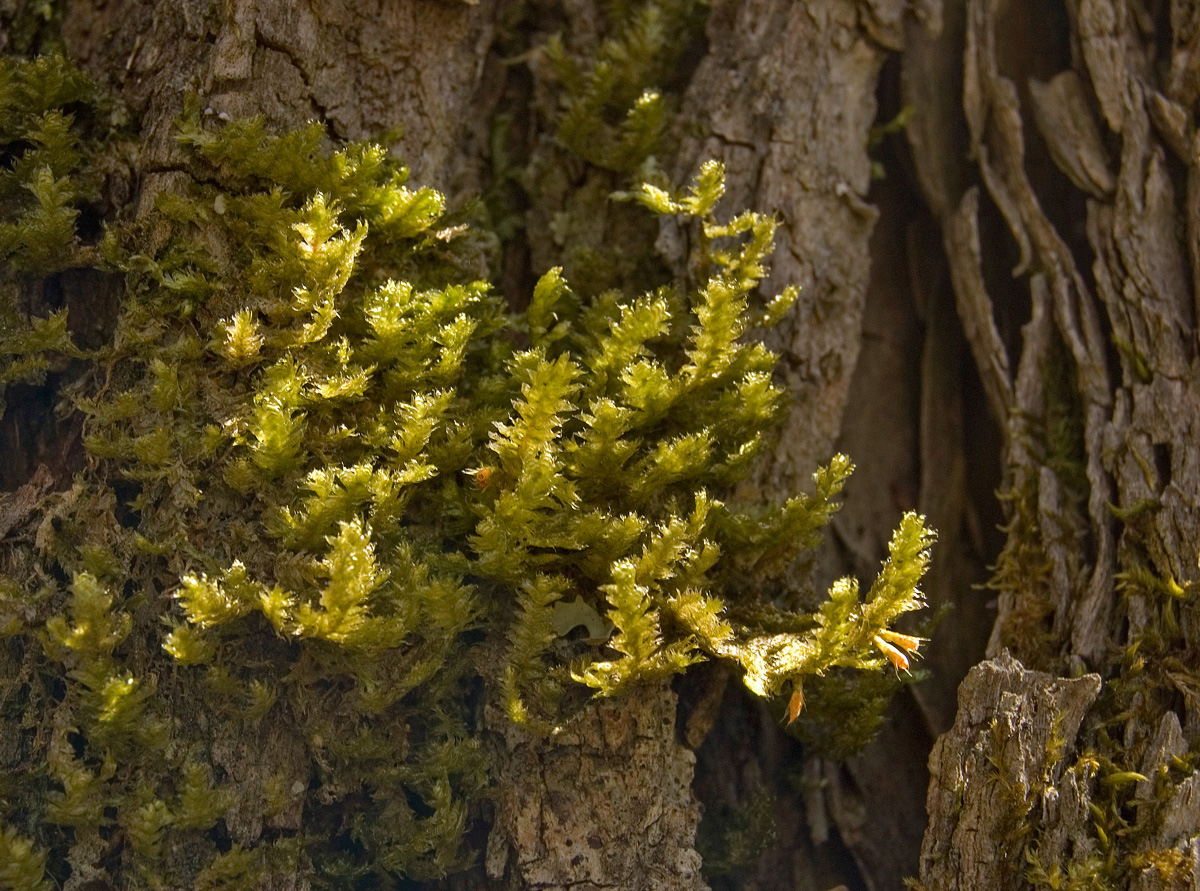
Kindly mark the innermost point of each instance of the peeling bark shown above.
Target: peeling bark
(1003, 758)
(1088, 167)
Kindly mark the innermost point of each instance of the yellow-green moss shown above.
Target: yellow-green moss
(333, 491)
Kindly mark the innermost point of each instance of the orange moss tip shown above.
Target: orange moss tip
(894, 655)
(903, 641)
(796, 703)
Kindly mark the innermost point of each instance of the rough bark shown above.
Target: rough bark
(1004, 755)
(360, 69)
(1085, 152)
(603, 804)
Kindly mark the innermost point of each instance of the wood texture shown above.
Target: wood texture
(361, 69)
(606, 803)
(1004, 756)
(1089, 168)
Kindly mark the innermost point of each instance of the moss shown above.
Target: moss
(1023, 570)
(1143, 676)
(744, 834)
(843, 710)
(334, 491)
(594, 119)
(31, 27)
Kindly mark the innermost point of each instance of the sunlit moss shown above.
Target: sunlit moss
(323, 460)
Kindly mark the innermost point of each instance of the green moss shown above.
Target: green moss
(1143, 675)
(323, 463)
(744, 834)
(843, 710)
(604, 102)
(30, 27)
(614, 113)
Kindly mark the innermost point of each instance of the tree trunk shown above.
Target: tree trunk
(1079, 121)
(1078, 118)
(783, 93)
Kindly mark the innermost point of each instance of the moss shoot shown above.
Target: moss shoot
(334, 491)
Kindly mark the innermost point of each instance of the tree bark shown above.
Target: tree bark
(1079, 125)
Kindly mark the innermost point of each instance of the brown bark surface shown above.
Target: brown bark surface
(1006, 749)
(1079, 121)
(604, 804)
(362, 69)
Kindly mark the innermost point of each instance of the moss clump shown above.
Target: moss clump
(334, 490)
(744, 835)
(614, 113)
(598, 123)
(1023, 571)
(61, 153)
